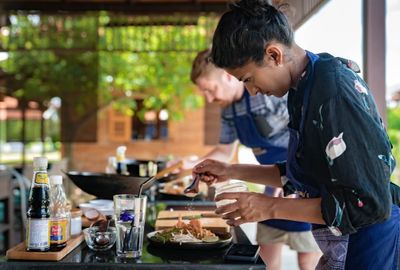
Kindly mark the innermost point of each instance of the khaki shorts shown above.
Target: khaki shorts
(298, 241)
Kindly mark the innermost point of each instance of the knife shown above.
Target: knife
(205, 215)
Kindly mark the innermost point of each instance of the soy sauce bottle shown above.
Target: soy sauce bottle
(38, 213)
(121, 161)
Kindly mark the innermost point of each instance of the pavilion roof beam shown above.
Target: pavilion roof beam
(130, 7)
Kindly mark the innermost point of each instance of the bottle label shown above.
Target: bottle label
(37, 234)
(41, 178)
(58, 231)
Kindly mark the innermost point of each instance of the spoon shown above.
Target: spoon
(194, 186)
(101, 238)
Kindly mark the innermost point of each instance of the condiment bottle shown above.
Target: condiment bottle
(121, 161)
(76, 222)
(60, 216)
(38, 213)
(111, 165)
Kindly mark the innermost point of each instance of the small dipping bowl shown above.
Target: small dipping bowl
(98, 240)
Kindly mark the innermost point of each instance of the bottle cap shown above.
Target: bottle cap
(56, 179)
(121, 150)
(76, 212)
(40, 162)
(121, 153)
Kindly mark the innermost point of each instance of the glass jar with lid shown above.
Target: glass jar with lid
(76, 222)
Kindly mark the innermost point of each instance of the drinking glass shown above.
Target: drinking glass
(129, 215)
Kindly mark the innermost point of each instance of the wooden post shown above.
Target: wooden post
(374, 36)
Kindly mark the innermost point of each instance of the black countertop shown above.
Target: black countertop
(152, 258)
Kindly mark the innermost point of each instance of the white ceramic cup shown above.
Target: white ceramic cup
(230, 187)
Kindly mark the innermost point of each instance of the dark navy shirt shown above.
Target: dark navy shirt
(272, 109)
(345, 149)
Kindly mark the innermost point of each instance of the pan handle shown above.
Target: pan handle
(159, 175)
(168, 170)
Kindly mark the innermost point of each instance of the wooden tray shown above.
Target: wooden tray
(19, 251)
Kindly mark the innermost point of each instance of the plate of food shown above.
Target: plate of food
(190, 235)
(174, 190)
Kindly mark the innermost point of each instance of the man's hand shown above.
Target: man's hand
(212, 171)
(249, 207)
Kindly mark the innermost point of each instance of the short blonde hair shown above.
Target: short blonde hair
(202, 65)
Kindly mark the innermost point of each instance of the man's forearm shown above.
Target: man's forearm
(306, 210)
(260, 174)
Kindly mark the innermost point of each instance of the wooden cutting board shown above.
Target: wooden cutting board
(215, 224)
(19, 251)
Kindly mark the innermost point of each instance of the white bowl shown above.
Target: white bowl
(106, 211)
(101, 202)
(86, 206)
(89, 210)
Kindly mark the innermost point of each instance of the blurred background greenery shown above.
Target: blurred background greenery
(393, 120)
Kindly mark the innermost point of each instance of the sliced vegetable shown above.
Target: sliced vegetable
(210, 238)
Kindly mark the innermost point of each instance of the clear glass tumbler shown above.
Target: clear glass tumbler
(129, 215)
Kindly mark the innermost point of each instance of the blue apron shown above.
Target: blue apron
(374, 247)
(250, 136)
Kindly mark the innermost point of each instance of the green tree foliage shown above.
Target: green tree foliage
(162, 79)
(118, 57)
(13, 130)
(91, 60)
(393, 119)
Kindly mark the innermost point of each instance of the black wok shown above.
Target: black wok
(104, 185)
